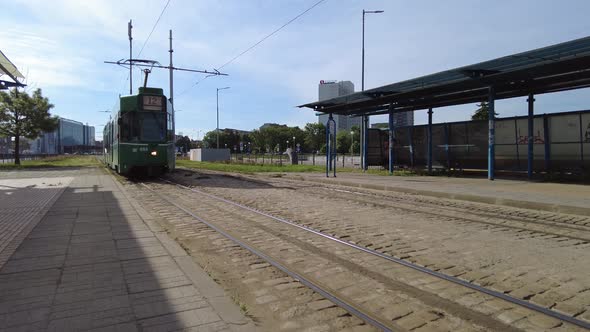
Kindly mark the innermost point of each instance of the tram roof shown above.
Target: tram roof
(560, 67)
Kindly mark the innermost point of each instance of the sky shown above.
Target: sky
(61, 45)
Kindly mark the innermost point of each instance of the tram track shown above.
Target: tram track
(563, 226)
(384, 276)
(548, 227)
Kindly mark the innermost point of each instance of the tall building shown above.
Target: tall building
(333, 89)
(399, 120)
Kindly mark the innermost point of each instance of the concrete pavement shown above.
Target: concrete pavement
(80, 255)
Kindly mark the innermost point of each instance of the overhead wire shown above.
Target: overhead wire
(256, 44)
(151, 32)
(153, 28)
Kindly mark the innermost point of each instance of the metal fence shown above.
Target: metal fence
(8, 158)
(561, 141)
(343, 160)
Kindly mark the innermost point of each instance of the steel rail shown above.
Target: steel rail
(523, 303)
(318, 289)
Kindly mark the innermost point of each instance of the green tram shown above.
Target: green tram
(139, 138)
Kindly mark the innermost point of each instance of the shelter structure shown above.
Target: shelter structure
(7, 68)
(560, 67)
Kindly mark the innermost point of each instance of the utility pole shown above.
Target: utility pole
(129, 28)
(171, 97)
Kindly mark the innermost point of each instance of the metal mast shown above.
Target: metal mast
(172, 98)
(129, 28)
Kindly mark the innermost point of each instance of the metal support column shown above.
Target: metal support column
(429, 156)
(411, 144)
(330, 146)
(547, 143)
(531, 139)
(362, 142)
(391, 134)
(516, 144)
(491, 134)
(447, 151)
(581, 142)
(366, 142)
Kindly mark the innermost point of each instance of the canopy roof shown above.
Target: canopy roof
(8, 68)
(559, 67)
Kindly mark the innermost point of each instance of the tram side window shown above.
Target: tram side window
(129, 129)
(107, 138)
(170, 128)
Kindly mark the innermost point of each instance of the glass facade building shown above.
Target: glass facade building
(69, 137)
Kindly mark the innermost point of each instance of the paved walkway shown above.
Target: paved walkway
(96, 261)
(564, 198)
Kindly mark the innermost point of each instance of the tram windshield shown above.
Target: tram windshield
(143, 127)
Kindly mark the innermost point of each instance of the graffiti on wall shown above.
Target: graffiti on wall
(537, 138)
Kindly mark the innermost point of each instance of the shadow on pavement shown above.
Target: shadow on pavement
(92, 263)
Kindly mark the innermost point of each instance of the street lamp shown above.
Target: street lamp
(293, 142)
(364, 117)
(351, 145)
(217, 131)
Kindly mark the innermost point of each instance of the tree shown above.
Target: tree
(23, 115)
(356, 139)
(482, 113)
(343, 142)
(315, 135)
(184, 143)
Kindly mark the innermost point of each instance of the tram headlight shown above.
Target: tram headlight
(154, 153)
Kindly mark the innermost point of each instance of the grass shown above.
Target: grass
(259, 168)
(59, 161)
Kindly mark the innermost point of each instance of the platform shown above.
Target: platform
(554, 197)
(80, 255)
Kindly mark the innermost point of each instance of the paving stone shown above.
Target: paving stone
(412, 321)
(265, 299)
(572, 307)
(24, 317)
(321, 304)
(181, 320)
(123, 327)
(538, 321)
(511, 316)
(492, 306)
(395, 312)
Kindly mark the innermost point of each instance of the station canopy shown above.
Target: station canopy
(9, 69)
(559, 67)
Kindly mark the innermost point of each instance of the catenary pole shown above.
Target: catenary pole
(171, 97)
(129, 28)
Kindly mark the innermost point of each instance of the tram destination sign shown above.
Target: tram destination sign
(152, 103)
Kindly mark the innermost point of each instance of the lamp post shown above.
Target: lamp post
(217, 131)
(293, 142)
(351, 145)
(364, 117)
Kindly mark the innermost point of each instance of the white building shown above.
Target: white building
(333, 89)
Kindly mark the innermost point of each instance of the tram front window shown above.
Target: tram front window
(143, 127)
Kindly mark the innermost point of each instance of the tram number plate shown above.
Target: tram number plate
(152, 103)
